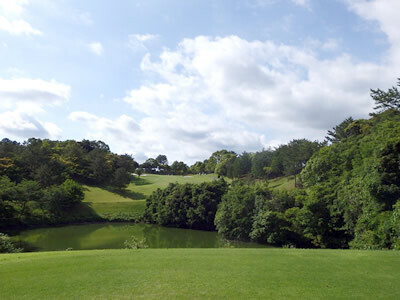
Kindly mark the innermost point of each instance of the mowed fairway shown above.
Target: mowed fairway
(201, 273)
(130, 204)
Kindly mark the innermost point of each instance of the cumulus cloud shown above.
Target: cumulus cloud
(385, 14)
(23, 100)
(35, 91)
(96, 48)
(11, 21)
(228, 92)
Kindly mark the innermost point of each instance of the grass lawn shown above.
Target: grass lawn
(130, 204)
(144, 185)
(201, 273)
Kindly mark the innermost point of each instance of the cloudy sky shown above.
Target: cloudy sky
(187, 77)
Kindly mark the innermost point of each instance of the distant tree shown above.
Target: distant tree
(162, 159)
(260, 161)
(139, 171)
(179, 168)
(91, 145)
(295, 154)
(198, 168)
(225, 164)
(338, 133)
(150, 165)
(241, 165)
(386, 100)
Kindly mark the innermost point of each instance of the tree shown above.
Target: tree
(139, 171)
(386, 100)
(339, 132)
(297, 153)
(179, 168)
(162, 159)
(150, 165)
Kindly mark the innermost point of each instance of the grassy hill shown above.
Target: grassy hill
(201, 273)
(128, 205)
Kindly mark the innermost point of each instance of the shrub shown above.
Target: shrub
(135, 243)
(6, 245)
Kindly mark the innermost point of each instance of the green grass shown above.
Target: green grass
(201, 273)
(144, 185)
(127, 205)
(282, 183)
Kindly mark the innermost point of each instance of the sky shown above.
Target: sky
(185, 78)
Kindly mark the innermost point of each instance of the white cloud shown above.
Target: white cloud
(136, 42)
(245, 95)
(13, 7)
(96, 48)
(385, 13)
(39, 92)
(23, 100)
(228, 92)
(11, 21)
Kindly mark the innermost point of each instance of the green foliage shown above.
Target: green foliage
(186, 205)
(6, 245)
(353, 186)
(234, 218)
(339, 133)
(135, 243)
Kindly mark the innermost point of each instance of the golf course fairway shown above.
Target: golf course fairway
(201, 273)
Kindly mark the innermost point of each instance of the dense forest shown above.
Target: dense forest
(350, 195)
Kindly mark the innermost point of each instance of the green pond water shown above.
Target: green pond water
(113, 236)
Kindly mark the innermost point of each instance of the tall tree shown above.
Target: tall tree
(338, 133)
(387, 100)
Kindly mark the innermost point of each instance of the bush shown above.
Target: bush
(135, 243)
(6, 245)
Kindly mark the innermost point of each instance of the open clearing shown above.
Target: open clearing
(201, 273)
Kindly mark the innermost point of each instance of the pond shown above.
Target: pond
(113, 236)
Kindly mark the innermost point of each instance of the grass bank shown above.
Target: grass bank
(201, 273)
(101, 204)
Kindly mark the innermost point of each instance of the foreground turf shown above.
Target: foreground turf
(197, 273)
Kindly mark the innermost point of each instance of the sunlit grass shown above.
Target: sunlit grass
(201, 273)
(128, 204)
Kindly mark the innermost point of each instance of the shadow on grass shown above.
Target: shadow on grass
(126, 193)
(82, 209)
(140, 181)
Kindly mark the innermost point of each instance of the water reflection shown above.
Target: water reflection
(113, 236)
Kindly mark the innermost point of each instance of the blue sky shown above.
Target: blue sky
(186, 78)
